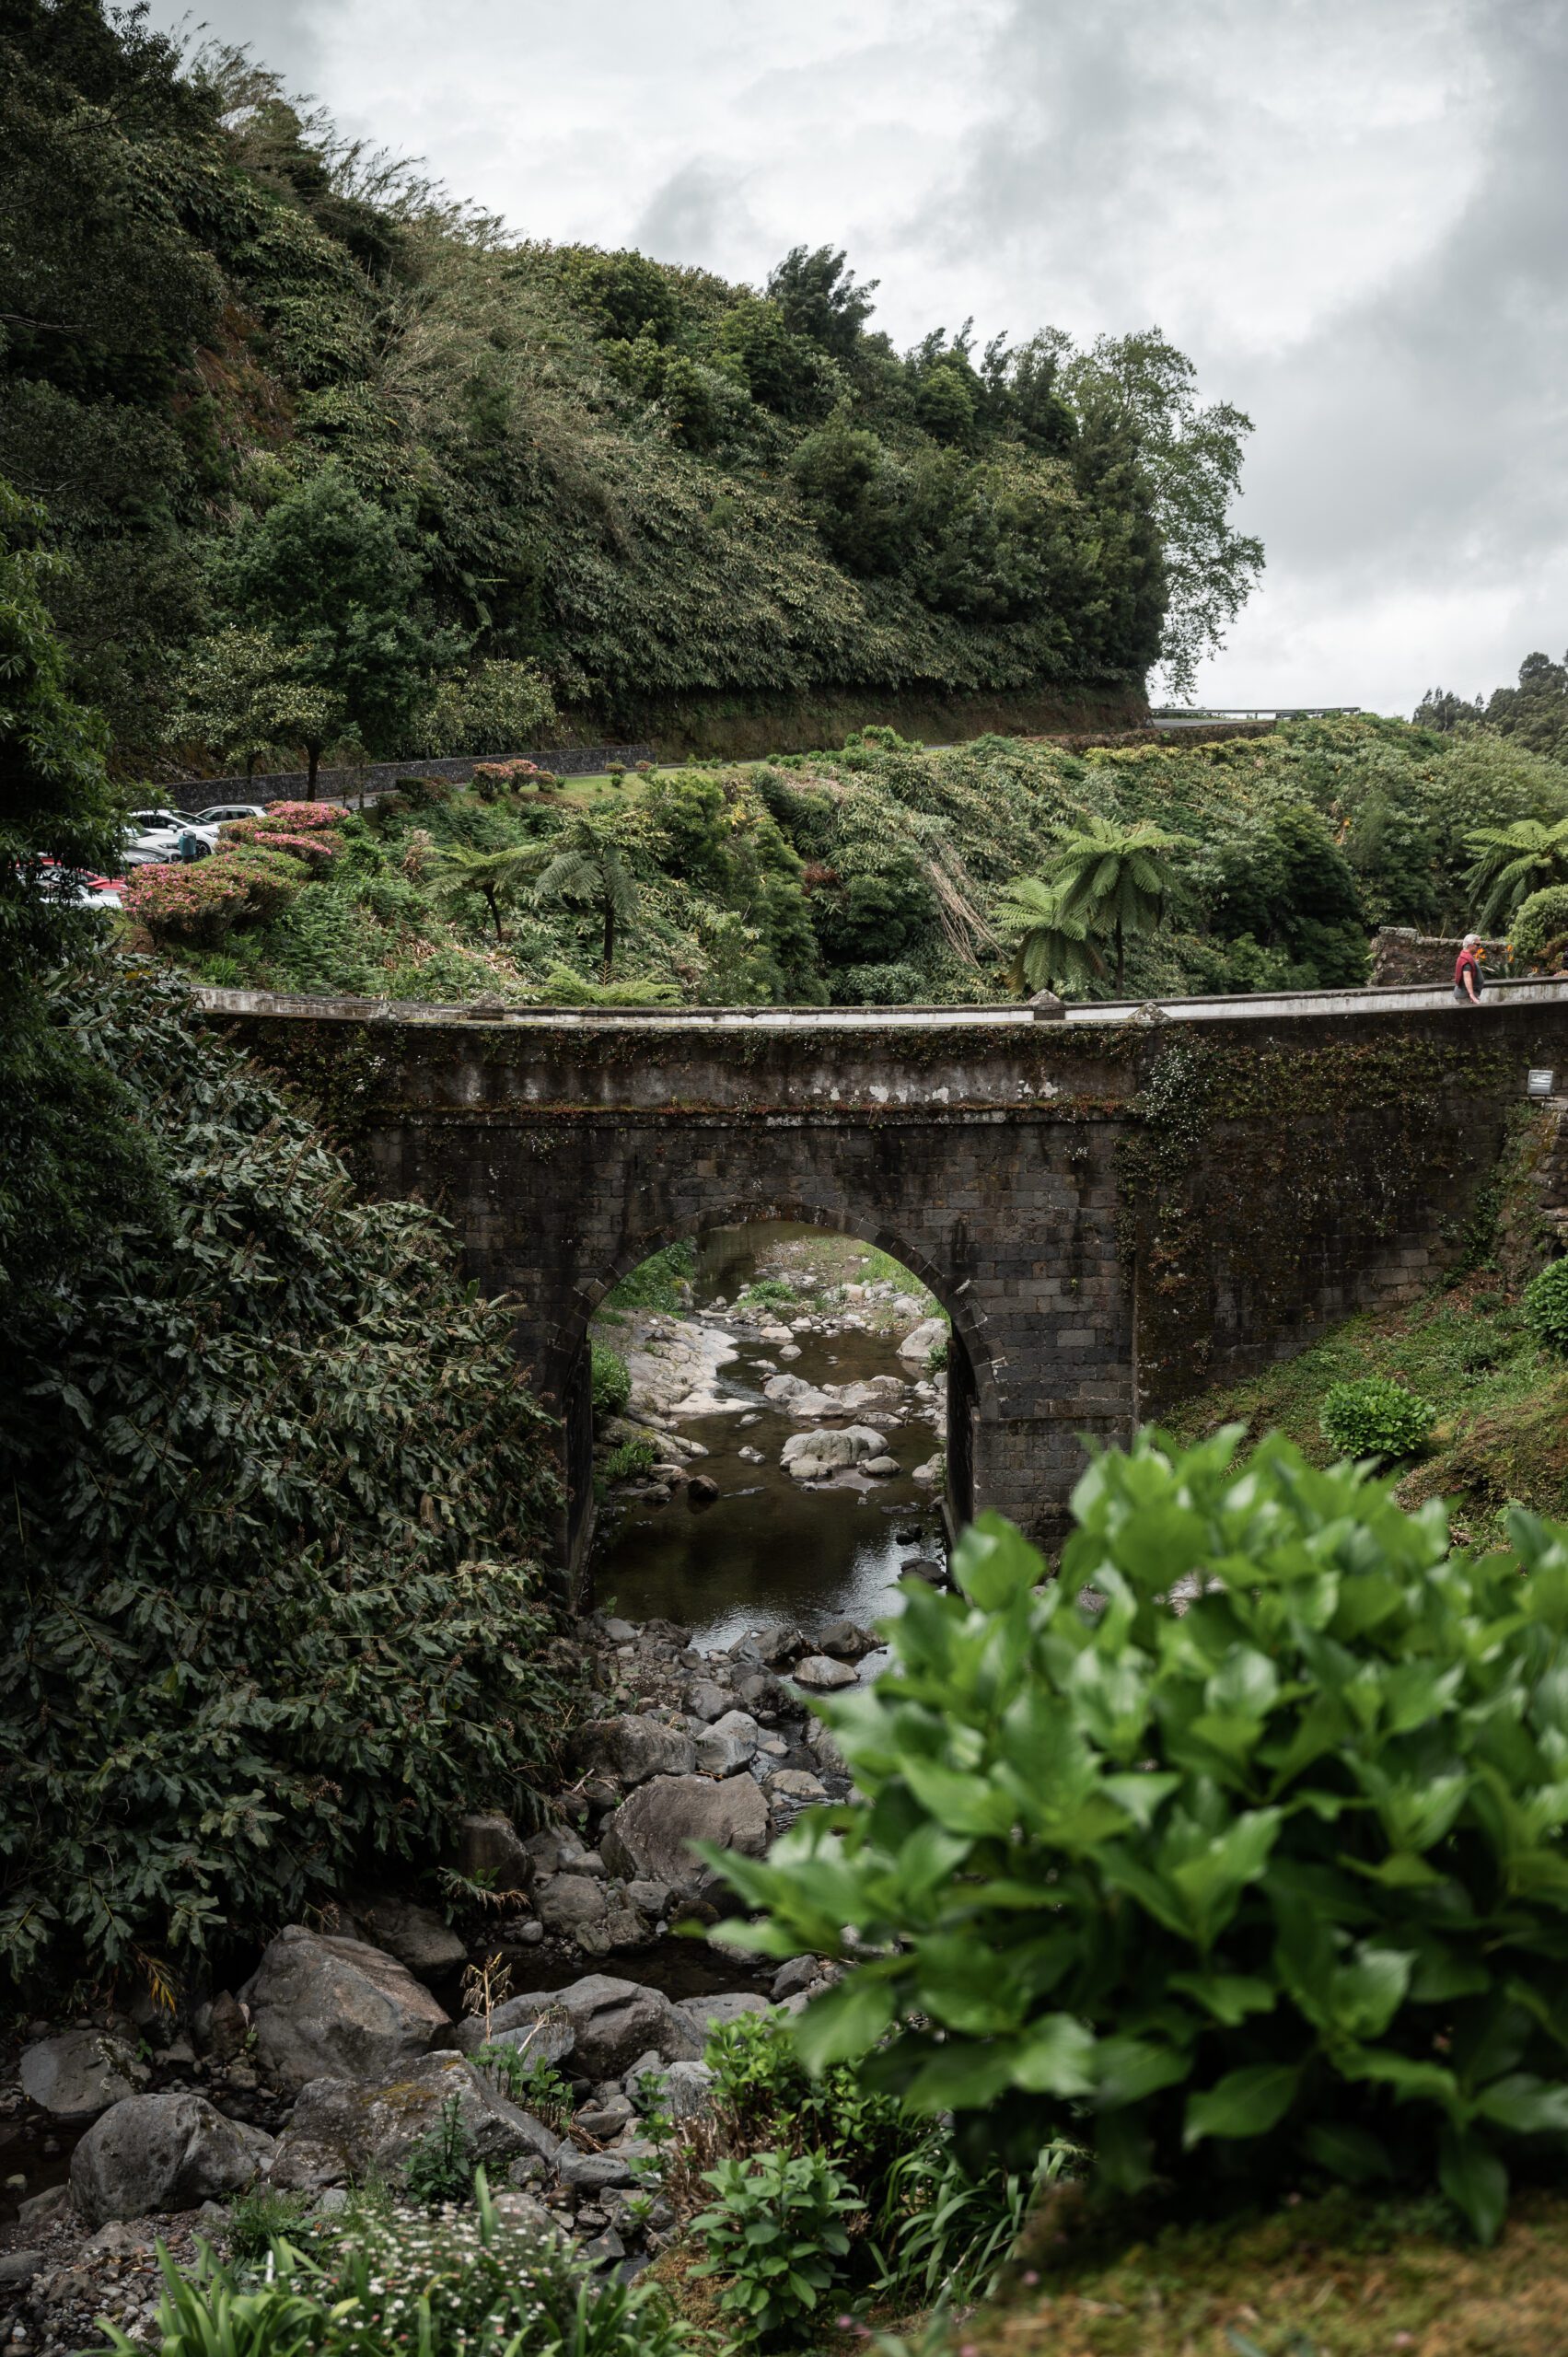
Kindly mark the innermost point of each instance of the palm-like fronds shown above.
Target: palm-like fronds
(497, 875)
(1512, 861)
(1049, 944)
(1115, 878)
(587, 865)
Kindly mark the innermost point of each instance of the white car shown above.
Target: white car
(155, 837)
(222, 812)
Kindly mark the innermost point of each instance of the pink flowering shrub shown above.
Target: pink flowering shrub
(316, 848)
(196, 903)
(290, 817)
(511, 777)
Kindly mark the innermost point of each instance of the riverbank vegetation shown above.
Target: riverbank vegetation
(884, 873)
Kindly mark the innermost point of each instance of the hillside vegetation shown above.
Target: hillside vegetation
(877, 875)
(240, 360)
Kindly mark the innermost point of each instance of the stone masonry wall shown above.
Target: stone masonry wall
(1114, 1215)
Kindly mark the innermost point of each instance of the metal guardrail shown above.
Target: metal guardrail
(1189, 715)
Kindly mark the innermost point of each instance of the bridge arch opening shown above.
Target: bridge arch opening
(825, 1382)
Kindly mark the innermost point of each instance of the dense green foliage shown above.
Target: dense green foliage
(1534, 712)
(1545, 1305)
(883, 873)
(275, 1492)
(611, 1383)
(1279, 1874)
(1375, 1418)
(613, 480)
(774, 2230)
(1540, 928)
(472, 2284)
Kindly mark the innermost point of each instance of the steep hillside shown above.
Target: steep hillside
(873, 875)
(657, 498)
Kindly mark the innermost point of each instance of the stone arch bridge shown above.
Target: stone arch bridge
(1116, 1209)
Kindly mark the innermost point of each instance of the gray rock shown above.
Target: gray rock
(687, 2090)
(614, 2021)
(778, 1642)
(21, 2266)
(792, 1978)
(152, 2152)
(622, 1928)
(223, 2027)
(604, 2249)
(331, 2203)
(824, 1750)
(592, 2172)
(342, 2131)
(711, 2013)
(707, 1700)
(634, 1747)
(535, 2024)
(523, 2210)
(49, 2208)
(415, 1936)
(790, 1790)
(490, 1850)
(921, 1567)
(649, 1898)
(568, 1901)
(881, 1468)
(846, 1640)
(917, 1347)
(80, 2073)
(815, 1456)
(762, 1694)
(728, 1744)
(820, 1675)
(325, 2008)
(117, 2240)
(621, 1632)
(650, 1835)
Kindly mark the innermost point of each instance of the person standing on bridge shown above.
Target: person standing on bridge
(1469, 980)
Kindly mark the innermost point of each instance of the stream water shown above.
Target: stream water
(769, 1549)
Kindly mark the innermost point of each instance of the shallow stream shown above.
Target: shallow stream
(769, 1549)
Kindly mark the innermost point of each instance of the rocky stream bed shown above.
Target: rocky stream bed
(326, 2064)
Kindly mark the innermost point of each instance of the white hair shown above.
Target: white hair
(1469, 938)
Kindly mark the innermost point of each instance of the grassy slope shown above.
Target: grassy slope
(1333, 2277)
(1501, 1431)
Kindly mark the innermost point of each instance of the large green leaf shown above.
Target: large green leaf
(1474, 2181)
(1248, 2102)
(847, 2019)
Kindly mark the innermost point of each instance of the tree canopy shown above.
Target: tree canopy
(231, 336)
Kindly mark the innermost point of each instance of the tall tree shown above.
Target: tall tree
(1191, 454)
(1049, 945)
(588, 864)
(1115, 878)
(326, 580)
(1513, 862)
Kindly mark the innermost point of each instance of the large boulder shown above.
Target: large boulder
(723, 2007)
(917, 1347)
(634, 1747)
(325, 2008)
(728, 1745)
(149, 2153)
(799, 1399)
(614, 2021)
(342, 2133)
(415, 1936)
(597, 2025)
(490, 1849)
(567, 1902)
(813, 1457)
(650, 1835)
(80, 2072)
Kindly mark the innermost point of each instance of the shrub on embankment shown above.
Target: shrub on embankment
(275, 1497)
(1276, 1878)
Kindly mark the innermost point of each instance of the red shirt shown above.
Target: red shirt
(1465, 958)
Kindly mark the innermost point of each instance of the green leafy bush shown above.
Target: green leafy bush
(440, 2166)
(1374, 1417)
(1539, 933)
(1545, 1305)
(767, 1293)
(275, 1500)
(656, 1283)
(631, 1460)
(1280, 1877)
(397, 2281)
(529, 2082)
(611, 1383)
(772, 2237)
(259, 2219)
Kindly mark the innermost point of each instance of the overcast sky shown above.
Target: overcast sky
(1352, 213)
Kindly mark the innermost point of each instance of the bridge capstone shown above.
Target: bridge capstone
(1116, 1210)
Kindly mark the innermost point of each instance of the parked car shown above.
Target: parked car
(222, 812)
(77, 889)
(154, 821)
(144, 845)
